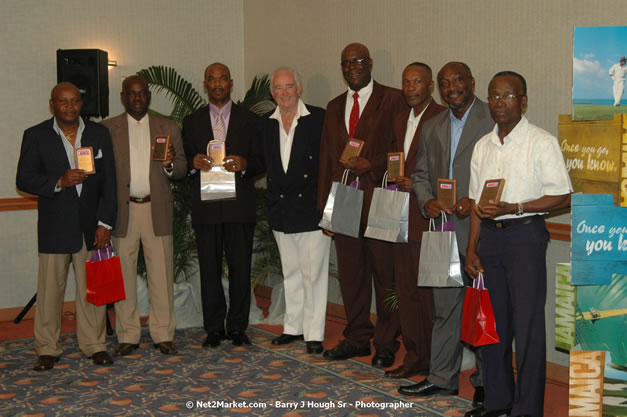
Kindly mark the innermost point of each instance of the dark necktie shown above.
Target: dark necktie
(354, 117)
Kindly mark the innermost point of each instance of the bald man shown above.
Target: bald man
(224, 226)
(76, 212)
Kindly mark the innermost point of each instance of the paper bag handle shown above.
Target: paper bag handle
(478, 283)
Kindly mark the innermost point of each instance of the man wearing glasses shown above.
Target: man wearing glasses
(513, 240)
(364, 112)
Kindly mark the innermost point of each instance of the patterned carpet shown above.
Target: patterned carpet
(257, 380)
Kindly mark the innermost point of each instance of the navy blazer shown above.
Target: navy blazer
(65, 219)
(240, 140)
(292, 195)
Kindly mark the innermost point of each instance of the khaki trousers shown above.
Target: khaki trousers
(90, 319)
(158, 254)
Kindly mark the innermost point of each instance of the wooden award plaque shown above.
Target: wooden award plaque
(216, 149)
(492, 190)
(84, 158)
(352, 149)
(447, 192)
(396, 165)
(160, 151)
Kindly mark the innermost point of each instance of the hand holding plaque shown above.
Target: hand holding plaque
(352, 149)
(492, 191)
(396, 165)
(160, 150)
(447, 192)
(84, 158)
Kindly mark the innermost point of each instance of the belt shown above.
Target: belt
(140, 200)
(502, 224)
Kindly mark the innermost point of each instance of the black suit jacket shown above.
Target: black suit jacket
(240, 140)
(292, 196)
(65, 219)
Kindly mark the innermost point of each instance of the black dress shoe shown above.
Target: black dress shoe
(214, 339)
(284, 339)
(477, 399)
(383, 358)
(405, 372)
(102, 358)
(314, 347)
(482, 412)
(425, 389)
(167, 348)
(344, 350)
(239, 338)
(45, 362)
(123, 349)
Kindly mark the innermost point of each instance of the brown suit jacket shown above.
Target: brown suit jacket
(417, 223)
(374, 128)
(160, 192)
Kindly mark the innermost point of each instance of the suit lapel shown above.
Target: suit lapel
(122, 138)
(274, 136)
(368, 115)
(471, 127)
(299, 143)
(428, 113)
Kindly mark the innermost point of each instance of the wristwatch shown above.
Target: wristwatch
(520, 209)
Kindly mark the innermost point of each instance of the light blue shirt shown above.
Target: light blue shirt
(457, 127)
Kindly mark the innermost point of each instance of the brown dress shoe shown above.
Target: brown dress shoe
(167, 348)
(124, 349)
(102, 358)
(45, 362)
(403, 372)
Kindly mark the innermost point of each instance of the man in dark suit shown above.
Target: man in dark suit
(224, 225)
(445, 147)
(415, 304)
(291, 143)
(365, 112)
(76, 212)
(145, 211)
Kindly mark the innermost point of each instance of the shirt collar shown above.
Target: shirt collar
(226, 109)
(462, 121)
(141, 121)
(413, 118)
(518, 133)
(301, 111)
(79, 132)
(364, 91)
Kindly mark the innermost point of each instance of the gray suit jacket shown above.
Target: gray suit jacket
(160, 192)
(434, 158)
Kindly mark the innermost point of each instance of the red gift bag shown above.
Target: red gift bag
(103, 274)
(478, 324)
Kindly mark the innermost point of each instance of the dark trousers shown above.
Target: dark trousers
(360, 262)
(235, 240)
(415, 306)
(514, 260)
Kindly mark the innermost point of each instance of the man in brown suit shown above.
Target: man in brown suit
(415, 304)
(145, 214)
(365, 112)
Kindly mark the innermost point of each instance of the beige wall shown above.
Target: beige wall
(186, 35)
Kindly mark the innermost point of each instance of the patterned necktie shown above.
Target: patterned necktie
(219, 131)
(354, 117)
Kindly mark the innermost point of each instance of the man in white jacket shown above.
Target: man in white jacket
(617, 73)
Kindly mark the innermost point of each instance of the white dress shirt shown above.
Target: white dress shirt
(412, 125)
(139, 155)
(287, 138)
(530, 161)
(364, 96)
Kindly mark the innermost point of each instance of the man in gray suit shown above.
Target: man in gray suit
(445, 149)
(145, 214)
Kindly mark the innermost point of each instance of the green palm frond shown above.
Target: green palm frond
(258, 93)
(180, 91)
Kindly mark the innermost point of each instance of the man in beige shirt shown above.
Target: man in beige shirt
(145, 214)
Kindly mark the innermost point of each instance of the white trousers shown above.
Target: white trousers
(619, 86)
(305, 264)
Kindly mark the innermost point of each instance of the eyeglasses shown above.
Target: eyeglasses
(358, 61)
(507, 98)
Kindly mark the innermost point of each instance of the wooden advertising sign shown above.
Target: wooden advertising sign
(595, 152)
(585, 391)
(565, 298)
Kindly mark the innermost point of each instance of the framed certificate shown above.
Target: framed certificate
(492, 190)
(352, 149)
(396, 165)
(160, 151)
(447, 192)
(84, 158)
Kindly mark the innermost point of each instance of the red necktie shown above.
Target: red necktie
(354, 117)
